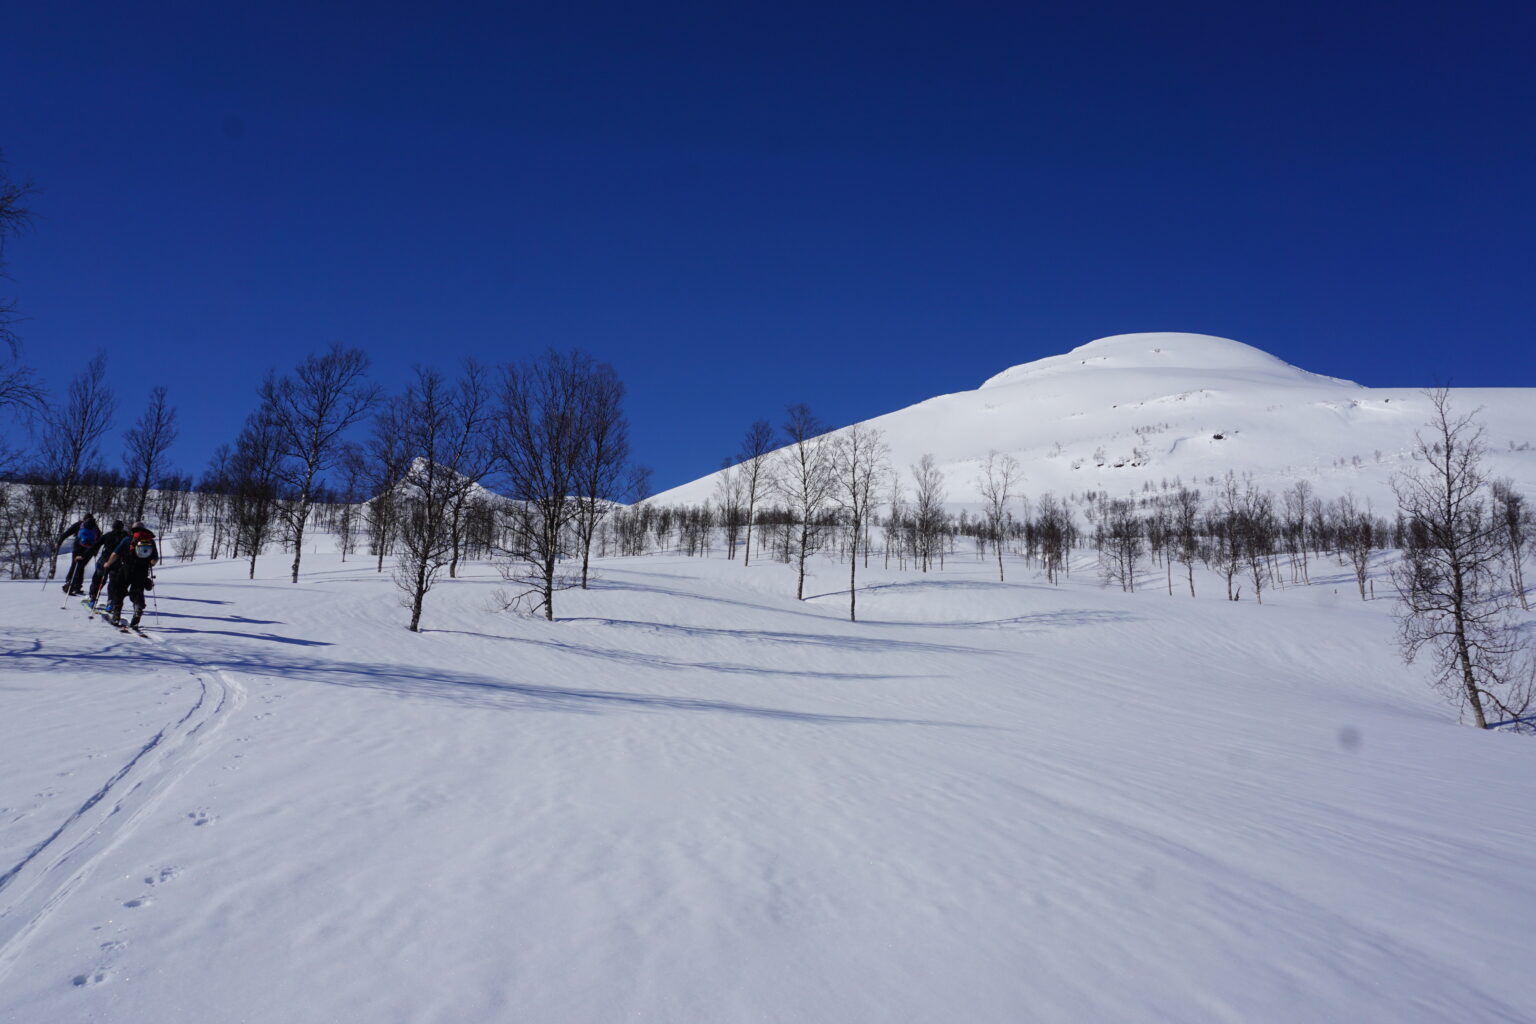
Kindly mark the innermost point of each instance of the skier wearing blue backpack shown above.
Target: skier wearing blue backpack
(87, 536)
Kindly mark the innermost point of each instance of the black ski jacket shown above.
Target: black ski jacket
(109, 542)
(129, 564)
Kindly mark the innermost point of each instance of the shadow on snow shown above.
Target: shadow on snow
(415, 682)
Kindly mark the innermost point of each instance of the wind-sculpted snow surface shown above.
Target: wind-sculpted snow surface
(1120, 414)
(697, 799)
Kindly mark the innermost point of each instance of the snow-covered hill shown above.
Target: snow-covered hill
(695, 798)
(1133, 410)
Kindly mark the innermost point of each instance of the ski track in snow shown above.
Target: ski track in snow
(34, 886)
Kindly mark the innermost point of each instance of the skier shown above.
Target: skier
(129, 577)
(105, 549)
(87, 535)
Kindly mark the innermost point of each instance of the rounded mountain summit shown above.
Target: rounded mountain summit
(1140, 414)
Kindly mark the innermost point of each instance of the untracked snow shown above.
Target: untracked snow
(696, 799)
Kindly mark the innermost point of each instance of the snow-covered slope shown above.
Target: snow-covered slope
(1123, 412)
(696, 799)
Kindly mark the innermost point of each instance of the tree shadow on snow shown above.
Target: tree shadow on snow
(272, 637)
(937, 584)
(792, 608)
(841, 641)
(466, 690)
(239, 620)
(416, 682)
(1038, 622)
(664, 662)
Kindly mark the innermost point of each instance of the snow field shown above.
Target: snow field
(696, 799)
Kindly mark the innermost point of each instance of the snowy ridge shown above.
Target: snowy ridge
(1134, 411)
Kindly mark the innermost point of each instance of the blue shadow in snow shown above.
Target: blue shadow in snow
(841, 641)
(419, 682)
(663, 662)
(238, 620)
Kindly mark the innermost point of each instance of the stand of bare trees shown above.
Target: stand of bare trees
(1515, 524)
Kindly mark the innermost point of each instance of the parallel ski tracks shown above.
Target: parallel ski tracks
(32, 887)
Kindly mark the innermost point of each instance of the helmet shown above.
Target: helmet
(144, 549)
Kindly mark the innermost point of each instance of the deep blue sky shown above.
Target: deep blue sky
(857, 206)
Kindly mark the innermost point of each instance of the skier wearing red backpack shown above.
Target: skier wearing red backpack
(129, 574)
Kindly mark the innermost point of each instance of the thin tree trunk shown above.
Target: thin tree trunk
(416, 598)
(853, 591)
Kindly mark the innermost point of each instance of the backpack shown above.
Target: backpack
(143, 544)
(86, 537)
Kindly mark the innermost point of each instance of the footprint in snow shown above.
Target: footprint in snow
(200, 817)
(165, 875)
(94, 978)
(138, 901)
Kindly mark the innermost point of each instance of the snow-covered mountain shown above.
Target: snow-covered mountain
(1120, 413)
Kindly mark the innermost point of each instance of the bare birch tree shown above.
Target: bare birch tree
(604, 458)
(1000, 476)
(929, 518)
(253, 483)
(1185, 527)
(1513, 513)
(803, 478)
(18, 384)
(468, 452)
(311, 410)
(444, 427)
(147, 441)
(385, 462)
(1450, 577)
(71, 440)
(730, 491)
(756, 473)
(539, 444)
(860, 460)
